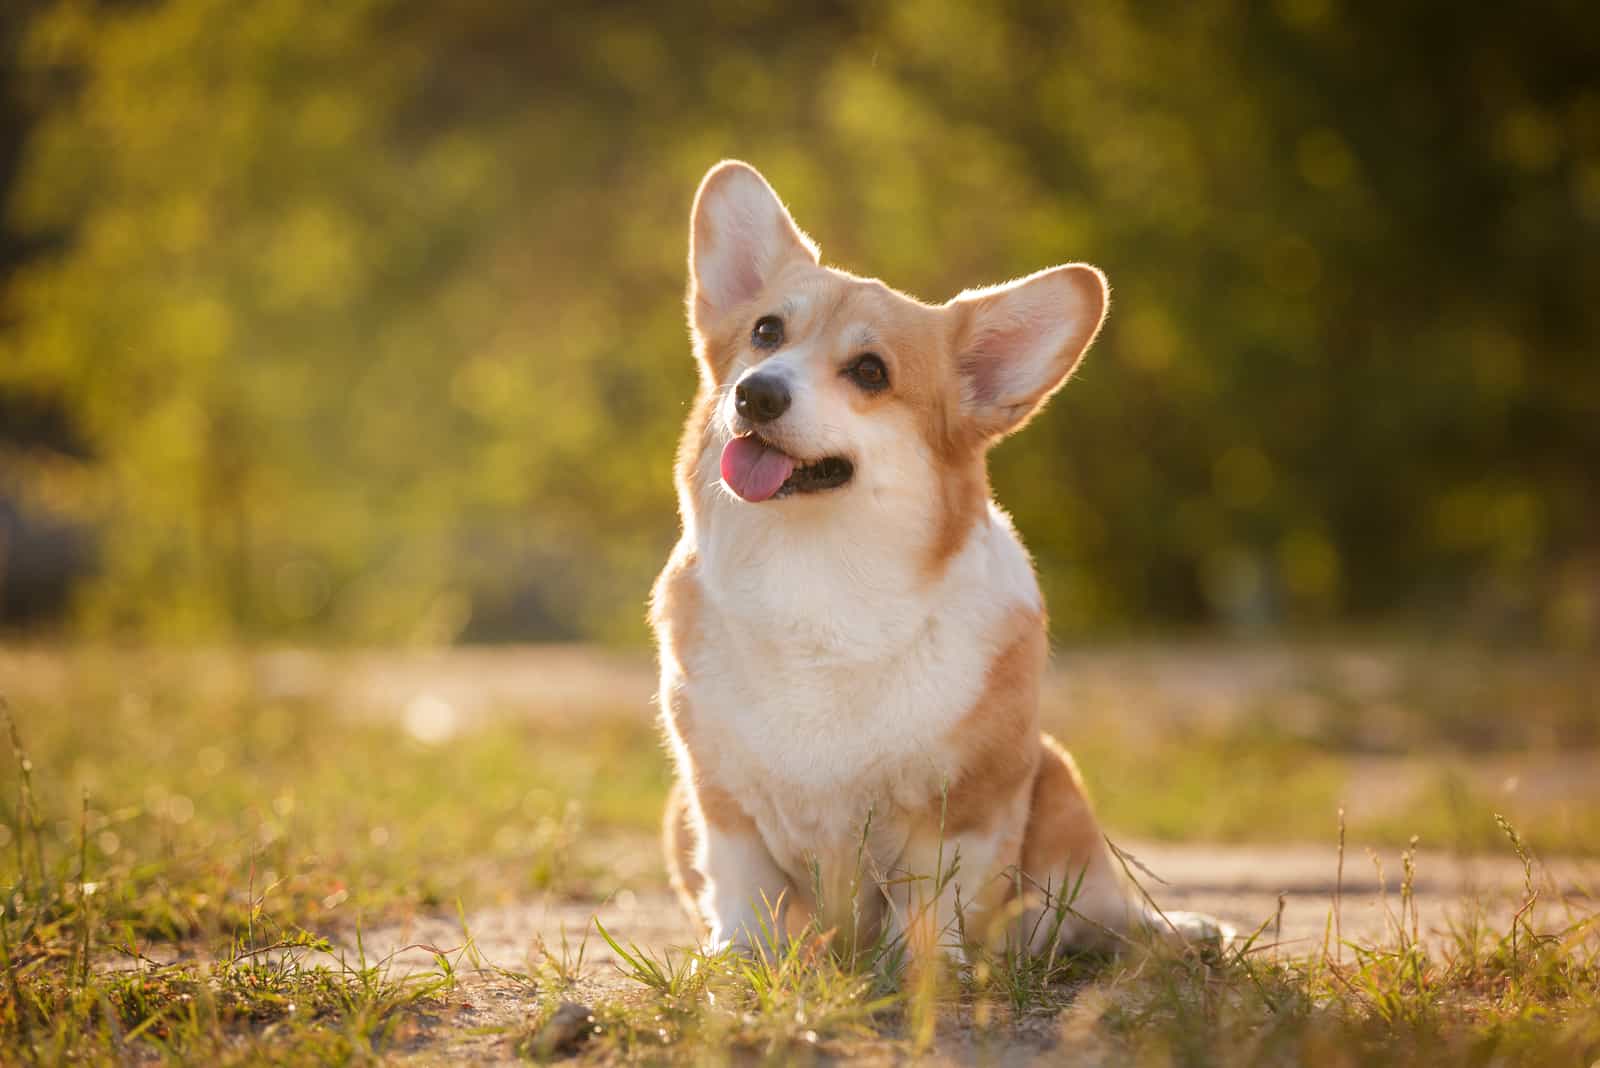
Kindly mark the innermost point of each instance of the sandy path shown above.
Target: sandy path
(1201, 685)
(1239, 884)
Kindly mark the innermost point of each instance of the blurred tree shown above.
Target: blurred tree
(370, 312)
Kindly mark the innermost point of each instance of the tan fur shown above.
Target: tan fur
(1063, 836)
(675, 605)
(918, 341)
(691, 444)
(769, 784)
(962, 498)
(678, 841)
(675, 609)
(1089, 287)
(999, 733)
(720, 809)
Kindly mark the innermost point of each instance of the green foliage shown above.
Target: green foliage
(369, 312)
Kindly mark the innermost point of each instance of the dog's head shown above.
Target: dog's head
(829, 390)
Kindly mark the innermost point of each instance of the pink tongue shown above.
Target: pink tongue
(753, 469)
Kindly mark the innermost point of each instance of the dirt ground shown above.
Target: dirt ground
(1288, 891)
(1242, 885)
(1203, 685)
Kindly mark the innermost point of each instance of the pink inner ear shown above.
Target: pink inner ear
(984, 363)
(744, 279)
(730, 268)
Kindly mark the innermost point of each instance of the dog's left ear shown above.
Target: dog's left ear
(740, 235)
(1017, 343)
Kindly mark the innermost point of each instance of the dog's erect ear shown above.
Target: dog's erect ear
(740, 235)
(1016, 343)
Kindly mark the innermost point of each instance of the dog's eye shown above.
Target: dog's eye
(868, 372)
(768, 333)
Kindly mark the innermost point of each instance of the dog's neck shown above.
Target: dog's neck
(847, 585)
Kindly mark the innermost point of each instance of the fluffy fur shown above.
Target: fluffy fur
(849, 678)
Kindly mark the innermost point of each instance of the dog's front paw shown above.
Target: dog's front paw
(740, 941)
(1206, 933)
(717, 946)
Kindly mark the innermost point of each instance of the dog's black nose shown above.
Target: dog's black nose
(761, 398)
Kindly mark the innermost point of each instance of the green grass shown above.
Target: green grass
(188, 804)
(146, 817)
(149, 814)
(1246, 784)
(262, 1003)
(1526, 993)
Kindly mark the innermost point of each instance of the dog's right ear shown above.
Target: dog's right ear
(740, 235)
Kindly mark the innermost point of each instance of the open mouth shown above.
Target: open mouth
(757, 470)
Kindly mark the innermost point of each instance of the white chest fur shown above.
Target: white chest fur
(828, 673)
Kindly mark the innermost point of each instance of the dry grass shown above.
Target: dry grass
(184, 851)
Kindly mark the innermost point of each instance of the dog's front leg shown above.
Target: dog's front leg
(942, 890)
(746, 894)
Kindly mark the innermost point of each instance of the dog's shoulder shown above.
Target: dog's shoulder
(676, 603)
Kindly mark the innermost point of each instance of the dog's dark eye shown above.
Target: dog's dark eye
(868, 372)
(768, 333)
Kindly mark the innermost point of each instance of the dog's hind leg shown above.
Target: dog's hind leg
(1080, 895)
(1083, 896)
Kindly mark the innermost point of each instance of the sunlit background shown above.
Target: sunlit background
(343, 357)
(363, 321)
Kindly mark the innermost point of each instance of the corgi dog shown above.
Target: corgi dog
(851, 635)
